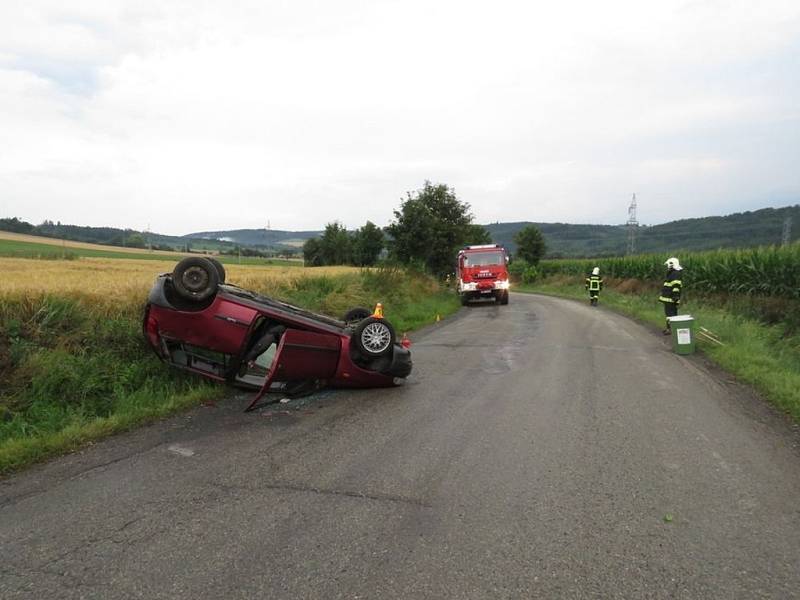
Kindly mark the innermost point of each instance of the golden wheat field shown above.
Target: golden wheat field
(124, 278)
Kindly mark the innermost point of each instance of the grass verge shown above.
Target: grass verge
(75, 368)
(762, 355)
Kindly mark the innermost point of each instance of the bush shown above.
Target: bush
(530, 274)
(516, 269)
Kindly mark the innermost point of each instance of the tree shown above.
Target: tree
(367, 244)
(336, 245)
(530, 244)
(135, 240)
(477, 234)
(430, 227)
(311, 253)
(16, 226)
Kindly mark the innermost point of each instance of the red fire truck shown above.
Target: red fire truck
(482, 272)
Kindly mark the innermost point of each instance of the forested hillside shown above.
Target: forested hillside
(739, 230)
(257, 237)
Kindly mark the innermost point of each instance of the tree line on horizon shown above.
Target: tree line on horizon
(131, 238)
(428, 229)
(762, 227)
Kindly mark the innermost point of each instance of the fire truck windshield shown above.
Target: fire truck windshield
(481, 259)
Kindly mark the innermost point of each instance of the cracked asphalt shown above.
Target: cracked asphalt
(542, 449)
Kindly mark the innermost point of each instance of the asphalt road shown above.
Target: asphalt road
(537, 452)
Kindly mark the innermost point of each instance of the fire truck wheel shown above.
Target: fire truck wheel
(503, 299)
(464, 299)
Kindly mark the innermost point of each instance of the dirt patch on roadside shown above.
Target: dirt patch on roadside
(632, 286)
(628, 286)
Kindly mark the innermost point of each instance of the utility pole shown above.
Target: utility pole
(787, 231)
(633, 225)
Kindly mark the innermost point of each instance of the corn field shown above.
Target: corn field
(766, 271)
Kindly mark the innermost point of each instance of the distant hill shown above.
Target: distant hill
(739, 230)
(267, 238)
(564, 239)
(222, 241)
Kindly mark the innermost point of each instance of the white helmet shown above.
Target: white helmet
(596, 271)
(672, 263)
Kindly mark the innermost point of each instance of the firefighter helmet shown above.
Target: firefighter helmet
(672, 263)
(596, 271)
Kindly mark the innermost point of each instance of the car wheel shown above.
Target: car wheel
(220, 269)
(195, 278)
(374, 337)
(356, 314)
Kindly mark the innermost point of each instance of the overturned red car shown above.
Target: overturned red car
(196, 322)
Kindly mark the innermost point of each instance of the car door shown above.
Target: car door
(302, 355)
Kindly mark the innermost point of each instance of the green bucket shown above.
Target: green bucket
(682, 334)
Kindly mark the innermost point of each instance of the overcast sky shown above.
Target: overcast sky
(191, 115)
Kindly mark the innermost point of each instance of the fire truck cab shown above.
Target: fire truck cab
(482, 272)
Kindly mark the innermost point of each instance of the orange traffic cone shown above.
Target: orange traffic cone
(378, 314)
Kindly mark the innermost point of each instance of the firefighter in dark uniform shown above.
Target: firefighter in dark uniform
(671, 291)
(594, 283)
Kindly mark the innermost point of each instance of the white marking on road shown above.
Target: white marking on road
(725, 466)
(180, 450)
(625, 334)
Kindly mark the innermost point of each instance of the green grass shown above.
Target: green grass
(74, 369)
(14, 249)
(256, 260)
(18, 249)
(763, 355)
(409, 301)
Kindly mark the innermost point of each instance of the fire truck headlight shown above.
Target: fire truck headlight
(501, 285)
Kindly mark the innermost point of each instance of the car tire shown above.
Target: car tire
(195, 278)
(220, 269)
(374, 337)
(357, 313)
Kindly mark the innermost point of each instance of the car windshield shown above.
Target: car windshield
(480, 259)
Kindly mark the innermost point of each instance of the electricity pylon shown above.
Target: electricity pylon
(633, 225)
